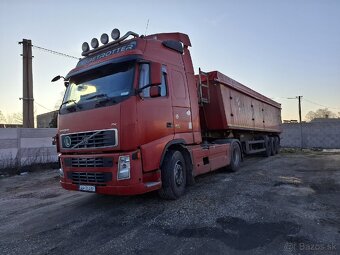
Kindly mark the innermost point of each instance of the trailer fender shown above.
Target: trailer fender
(230, 141)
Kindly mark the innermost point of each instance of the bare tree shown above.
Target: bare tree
(14, 118)
(320, 113)
(2, 118)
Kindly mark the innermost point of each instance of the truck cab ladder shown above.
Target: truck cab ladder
(203, 88)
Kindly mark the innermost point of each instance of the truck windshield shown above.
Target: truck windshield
(101, 87)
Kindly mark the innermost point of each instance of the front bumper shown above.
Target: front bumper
(138, 182)
(133, 189)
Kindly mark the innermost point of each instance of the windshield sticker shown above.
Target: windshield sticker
(124, 93)
(130, 46)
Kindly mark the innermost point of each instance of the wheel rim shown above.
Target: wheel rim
(178, 172)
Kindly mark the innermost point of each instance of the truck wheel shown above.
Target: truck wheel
(268, 146)
(235, 157)
(277, 145)
(173, 174)
(272, 145)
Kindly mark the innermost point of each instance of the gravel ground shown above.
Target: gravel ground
(286, 204)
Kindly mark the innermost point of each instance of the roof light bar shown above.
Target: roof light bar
(104, 39)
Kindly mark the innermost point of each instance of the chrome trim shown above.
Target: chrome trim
(83, 132)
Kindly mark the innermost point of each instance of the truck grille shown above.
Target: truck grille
(92, 139)
(88, 162)
(90, 178)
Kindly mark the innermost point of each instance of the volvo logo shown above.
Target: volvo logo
(67, 141)
(85, 140)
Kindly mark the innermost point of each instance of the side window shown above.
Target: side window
(144, 79)
(164, 82)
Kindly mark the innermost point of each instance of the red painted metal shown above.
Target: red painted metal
(218, 155)
(237, 107)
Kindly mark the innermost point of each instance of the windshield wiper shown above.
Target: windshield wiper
(70, 101)
(105, 100)
(97, 96)
(71, 106)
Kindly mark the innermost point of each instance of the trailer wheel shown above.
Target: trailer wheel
(272, 145)
(173, 174)
(236, 157)
(277, 144)
(268, 146)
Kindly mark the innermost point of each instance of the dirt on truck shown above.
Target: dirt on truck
(136, 119)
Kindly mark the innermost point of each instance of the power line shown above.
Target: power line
(42, 106)
(54, 52)
(312, 102)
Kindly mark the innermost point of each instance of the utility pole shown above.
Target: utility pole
(301, 145)
(27, 99)
(300, 119)
(299, 97)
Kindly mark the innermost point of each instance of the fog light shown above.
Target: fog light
(104, 39)
(123, 168)
(94, 43)
(61, 173)
(115, 34)
(85, 47)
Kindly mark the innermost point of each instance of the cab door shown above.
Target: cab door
(181, 106)
(155, 119)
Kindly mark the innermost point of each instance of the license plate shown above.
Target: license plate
(87, 188)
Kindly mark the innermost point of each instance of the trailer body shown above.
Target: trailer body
(235, 107)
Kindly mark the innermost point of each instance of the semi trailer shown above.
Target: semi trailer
(135, 118)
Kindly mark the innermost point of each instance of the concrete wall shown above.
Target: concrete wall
(25, 146)
(325, 134)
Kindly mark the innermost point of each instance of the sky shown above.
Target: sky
(281, 49)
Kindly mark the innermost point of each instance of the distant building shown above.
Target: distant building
(47, 120)
(290, 121)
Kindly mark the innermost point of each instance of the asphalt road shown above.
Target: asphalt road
(286, 204)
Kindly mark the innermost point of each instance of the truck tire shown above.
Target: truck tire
(272, 145)
(277, 145)
(173, 174)
(268, 146)
(235, 158)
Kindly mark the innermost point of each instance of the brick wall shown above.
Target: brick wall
(324, 134)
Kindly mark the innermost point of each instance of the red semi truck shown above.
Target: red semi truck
(135, 118)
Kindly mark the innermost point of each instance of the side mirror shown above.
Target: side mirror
(156, 73)
(56, 78)
(155, 91)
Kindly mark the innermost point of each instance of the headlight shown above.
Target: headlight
(123, 168)
(61, 173)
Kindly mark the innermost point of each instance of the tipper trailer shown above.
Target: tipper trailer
(135, 118)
